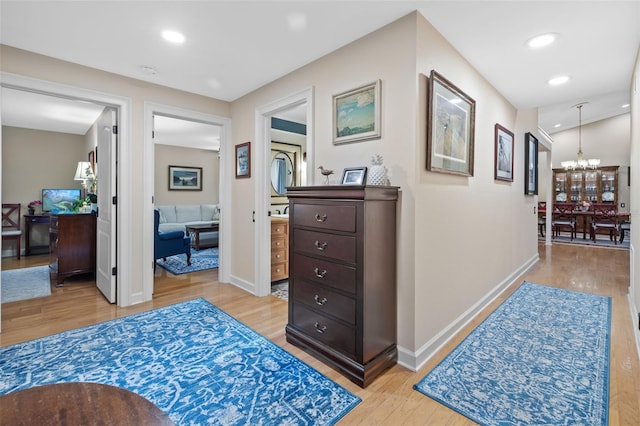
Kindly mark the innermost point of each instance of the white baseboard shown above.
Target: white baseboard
(243, 284)
(415, 360)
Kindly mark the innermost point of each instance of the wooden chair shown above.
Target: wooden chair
(11, 224)
(624, 228)
(542, 217)
(605, 218)
(563, 219)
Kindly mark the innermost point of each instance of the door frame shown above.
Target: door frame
(124, 214)
(263, 114)
(224, 239)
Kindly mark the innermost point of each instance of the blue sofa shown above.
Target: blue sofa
(169, 243)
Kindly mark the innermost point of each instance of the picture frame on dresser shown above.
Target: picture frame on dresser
(530, 164)
(354, 176)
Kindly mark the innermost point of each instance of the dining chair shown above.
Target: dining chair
(542, 217)
(11, 229)
(605, 218)
(563, 219)
(625, 227)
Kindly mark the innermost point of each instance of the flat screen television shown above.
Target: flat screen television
(59, 200)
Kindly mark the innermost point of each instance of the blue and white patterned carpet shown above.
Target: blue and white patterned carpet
(541, 358)
(192, 360)
(200, 261)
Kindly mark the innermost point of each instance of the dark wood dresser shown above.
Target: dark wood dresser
(342, 276)
(72, 245)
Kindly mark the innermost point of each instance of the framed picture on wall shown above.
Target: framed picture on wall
(450, 128)
(182, 178)
(503, 154)
(530, 164)
(243, 160)
(356, 114)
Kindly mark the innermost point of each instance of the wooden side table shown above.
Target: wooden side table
(79, 403)
(31, 220)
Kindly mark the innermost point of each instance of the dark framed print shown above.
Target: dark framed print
(503, 154)
(354, 176)
(356, 114)
(183, 178)
(243, 160)
(530, 164)
(450, 128)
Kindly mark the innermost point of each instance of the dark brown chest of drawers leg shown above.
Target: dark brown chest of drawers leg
(342, 277)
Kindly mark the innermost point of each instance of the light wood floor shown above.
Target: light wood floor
(390, 399)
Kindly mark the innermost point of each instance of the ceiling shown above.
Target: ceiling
(235, 47)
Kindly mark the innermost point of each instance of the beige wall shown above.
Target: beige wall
(36, 159)
(166, 156)
(32, 65)
(446, 223)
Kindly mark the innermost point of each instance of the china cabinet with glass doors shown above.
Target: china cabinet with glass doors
(591, 186)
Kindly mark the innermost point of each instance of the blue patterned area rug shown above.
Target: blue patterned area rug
(25, 283)
(192, 360)
(541, 358)
(200, 261)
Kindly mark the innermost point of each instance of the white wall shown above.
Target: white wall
(634, 293)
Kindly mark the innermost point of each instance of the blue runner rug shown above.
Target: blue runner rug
(200, 261)
(25, 283)
(192, 360)
(541, 358)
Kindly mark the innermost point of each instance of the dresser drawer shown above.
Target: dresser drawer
(326, 330)
(279, 271)
(278, 228)
(279, 255)
(278, 242)
(325, 272)
(341, 247)
(339, 218)
(325, 300)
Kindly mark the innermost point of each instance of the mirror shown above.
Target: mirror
(282, 172)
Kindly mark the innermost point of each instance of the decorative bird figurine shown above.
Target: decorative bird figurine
(326, 173)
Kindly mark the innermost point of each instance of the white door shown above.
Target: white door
(106, 223)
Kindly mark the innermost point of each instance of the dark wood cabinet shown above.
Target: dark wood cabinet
(72, 245)
(342, 277)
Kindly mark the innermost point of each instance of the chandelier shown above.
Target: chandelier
(580, 163)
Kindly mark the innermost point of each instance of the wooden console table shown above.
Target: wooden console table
(79, 403)
(31, 220)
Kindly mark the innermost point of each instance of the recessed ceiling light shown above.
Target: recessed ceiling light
(173, 36)
(557, 125)
(625, 106)
(556, 81)
(542, 40)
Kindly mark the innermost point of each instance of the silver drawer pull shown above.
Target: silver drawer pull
(320, 300)
(320, 329)
(319, 273)
(319, 246)
(321, 218)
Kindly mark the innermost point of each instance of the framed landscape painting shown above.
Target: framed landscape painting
(503, 154)
(450, 128)
(356, 114)
(243, 160)
(185, 178)
(530, 164)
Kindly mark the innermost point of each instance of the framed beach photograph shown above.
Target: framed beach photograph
(503, 154)
(183, 178)
(450, 128)
(356, 114)
(530, 164)
(243, 160)
(354, 176)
